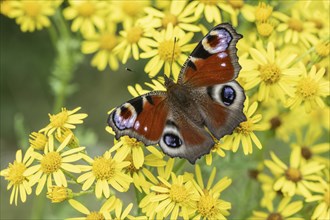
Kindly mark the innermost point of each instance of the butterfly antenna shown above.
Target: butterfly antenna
(172, 56)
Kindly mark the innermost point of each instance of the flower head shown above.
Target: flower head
(14, 174)
(52, 165)
(32, 15)
(105, 171)
(59, 194)
(62, 120)
(38, 140)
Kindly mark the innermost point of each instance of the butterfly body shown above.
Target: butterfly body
(205, 100)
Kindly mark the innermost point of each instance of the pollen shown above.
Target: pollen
(295, 25)
(323, 49)
(86, 9)
(263, 11)
(270, 73)
(169, 18)
(237, 4)
(15, 173)
(103, 169)
(307, 88)
(178, 193)
(207, 207)
(95, 216)
(293, 175)
(134, 34)
(275, 216)
(38, 140)
(51, 162)
(165, 50)
(108, 41)
(318, 23)
(209, 2)
(131, 168)
(59, 119)
(245, 127)
(32, 8)
(265, 29)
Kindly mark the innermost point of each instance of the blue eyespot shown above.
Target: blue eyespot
(228, 95)
(172, 140)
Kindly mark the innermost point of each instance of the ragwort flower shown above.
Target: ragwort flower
(163, 51)
(296, 178)
(32, 15)
(14, 174)
(105, 171)
(64, 119)
(53, 164)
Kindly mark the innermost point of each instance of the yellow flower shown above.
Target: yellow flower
(31, 14)
(271, 72)
(38, 141)
(59, 194)
(62, 120)
(310, 89)
(284, 210)
(87, 15)
(138, 90)
(125, 11)
(296, 178)
(211, 10)
(177, 198)
(162, 52)
(269, 193)
(296, 29)
(244, 133)
(235, 7)
(209, 205)
(14, 174)
(218, 149)
(134, 36)
(121, 214)
(6, 7)
(105, 171)
(142, 174)
(263, 12)
(52, 165)
(180, 15)
(322, 210)
(103, 44)
(102, 214)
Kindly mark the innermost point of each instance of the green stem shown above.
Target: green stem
(53, 35)
(81, 193)
(71, 176)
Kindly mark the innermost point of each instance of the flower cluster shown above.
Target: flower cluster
(284, 56)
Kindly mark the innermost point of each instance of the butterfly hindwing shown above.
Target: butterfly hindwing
(143, 117)
(214, 60)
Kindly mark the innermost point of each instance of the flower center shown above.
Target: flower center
(134, 34)
(244, 127)
(323, 49)
(275, 122)
(51, 162)
(38, 140)
(178, 193)
(86, 9)
(327, 197)
(59, 119)
(165, 50)
(236, 3)
(59, 194)
(270, 73)
(306, 153)
(307, 88)
(265, 29)
(317, 22)
(275, 216)
(131, 168)
(293, 175)
(132, 10)
(32, 8)
(132, 142)
(295, 25)
(263, 11)
(103, 169)
(206, 206)
(108, 41)
(15, 174)
(95, 216)
(169, 18)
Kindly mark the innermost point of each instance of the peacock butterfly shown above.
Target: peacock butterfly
(206, 98)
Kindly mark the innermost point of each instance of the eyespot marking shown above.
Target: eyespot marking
(228, 95)
(172, 140)
(217, 41)
(124, 117)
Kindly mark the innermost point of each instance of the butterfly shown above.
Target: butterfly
(205, 102)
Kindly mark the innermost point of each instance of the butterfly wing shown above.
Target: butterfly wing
(214, 60)
(143, 117)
